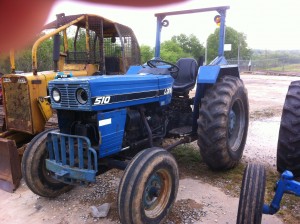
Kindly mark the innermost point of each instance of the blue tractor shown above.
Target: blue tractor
(119, 121)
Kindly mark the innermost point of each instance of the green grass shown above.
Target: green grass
(191, 165)
(286, 68)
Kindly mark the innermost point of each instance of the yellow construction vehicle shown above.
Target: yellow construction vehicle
(83, 45)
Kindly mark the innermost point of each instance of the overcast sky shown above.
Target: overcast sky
(267, 24)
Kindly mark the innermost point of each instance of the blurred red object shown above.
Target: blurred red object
(20, 21)
(1, 95)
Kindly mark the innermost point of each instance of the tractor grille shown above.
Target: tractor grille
(68, 96)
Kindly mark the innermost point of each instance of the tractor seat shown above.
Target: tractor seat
(186, 78)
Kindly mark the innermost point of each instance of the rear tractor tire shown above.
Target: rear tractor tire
(288, 148)
(223, 123)
(148, 187)
(252, 195)
(35, 174)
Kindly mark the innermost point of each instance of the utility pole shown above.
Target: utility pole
(240, 36)
(205, 62)
(238, 56)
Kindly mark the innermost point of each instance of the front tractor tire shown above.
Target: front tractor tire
(148, 187)
(288, 148)
(35, 174)
(252, 194)
(223, 123)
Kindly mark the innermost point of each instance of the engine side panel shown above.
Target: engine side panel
(111, 128)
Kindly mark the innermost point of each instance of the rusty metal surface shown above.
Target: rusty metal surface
(1, 117)
(17, 101)
(10, 165)
(45, 108)
(52, 123)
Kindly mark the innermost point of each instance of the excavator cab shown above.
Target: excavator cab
(82, 45)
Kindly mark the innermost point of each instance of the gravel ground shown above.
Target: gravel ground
(260, 149)
(197, 201)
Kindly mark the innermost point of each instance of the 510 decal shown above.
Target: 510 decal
(102, 100)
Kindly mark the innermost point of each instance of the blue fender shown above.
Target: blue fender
(209, 74)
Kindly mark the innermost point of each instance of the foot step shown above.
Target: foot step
(181, 131)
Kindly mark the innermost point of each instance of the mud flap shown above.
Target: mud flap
(10, 166)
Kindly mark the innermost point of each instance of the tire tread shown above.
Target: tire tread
(252, 195)
(212, 123)
(288, 147)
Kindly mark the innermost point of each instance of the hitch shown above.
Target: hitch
(286, 184)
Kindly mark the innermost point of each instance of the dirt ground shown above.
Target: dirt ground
(197, 200)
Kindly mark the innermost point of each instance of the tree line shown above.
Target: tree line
(189, 46)
(179, 46)
(23, 58)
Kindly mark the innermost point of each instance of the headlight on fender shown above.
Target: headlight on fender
(56, 96)
(81, 96)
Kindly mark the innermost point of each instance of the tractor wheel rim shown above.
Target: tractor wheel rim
(157, 193)
(232, 122)
(236, 124)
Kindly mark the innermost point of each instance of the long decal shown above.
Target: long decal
(102, 100)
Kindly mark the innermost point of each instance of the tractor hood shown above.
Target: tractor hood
(108, 92)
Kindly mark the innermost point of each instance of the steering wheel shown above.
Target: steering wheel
(153, 63)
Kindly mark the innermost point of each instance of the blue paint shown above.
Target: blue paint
(134, 69)
(208, 74)
(111, 126)
(62, 164)
(220, 60)
(286, 184)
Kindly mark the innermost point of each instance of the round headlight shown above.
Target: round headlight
(56, 95)
(81, 96)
